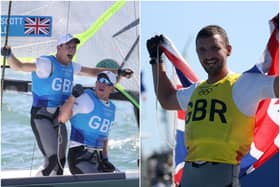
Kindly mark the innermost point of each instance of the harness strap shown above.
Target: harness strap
(88, 154)
(202, 163)
(45, 113)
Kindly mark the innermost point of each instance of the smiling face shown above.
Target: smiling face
(102, 89)
(66, 52)
(213, 52)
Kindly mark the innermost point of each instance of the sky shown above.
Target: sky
(246, 24)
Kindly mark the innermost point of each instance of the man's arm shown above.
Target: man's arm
(87, 71)
(66, 110)
(251, 88)
(16, 64)
(164, 89)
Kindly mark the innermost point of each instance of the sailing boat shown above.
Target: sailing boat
(108, 31)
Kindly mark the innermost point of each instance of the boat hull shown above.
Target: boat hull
(84, 180)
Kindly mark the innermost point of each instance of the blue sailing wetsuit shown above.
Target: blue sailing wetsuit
(48, 94)
(90, 125)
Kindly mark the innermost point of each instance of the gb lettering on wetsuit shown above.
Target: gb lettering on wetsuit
(91, 130)
(55, 89)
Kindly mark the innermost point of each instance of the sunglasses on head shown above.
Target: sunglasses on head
(104, 81)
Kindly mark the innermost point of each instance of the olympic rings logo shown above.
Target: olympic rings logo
(205, 91)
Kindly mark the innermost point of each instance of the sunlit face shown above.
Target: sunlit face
(102, 89)
(212, 53)
(66, 52)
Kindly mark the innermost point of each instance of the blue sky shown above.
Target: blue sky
(247, 27)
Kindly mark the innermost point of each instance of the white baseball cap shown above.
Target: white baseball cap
(109, 75)
(66, 38)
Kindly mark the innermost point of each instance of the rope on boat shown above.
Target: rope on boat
(159, 127)
(4, 59)
(31, 167)
(59, 142)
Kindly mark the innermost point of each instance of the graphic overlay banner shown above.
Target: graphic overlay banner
(27, 26)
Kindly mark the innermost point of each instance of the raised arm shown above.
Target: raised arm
(164, 89)
(16, 64)
(88, 71)
(66, 110)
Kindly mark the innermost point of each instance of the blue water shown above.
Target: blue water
(18, 145)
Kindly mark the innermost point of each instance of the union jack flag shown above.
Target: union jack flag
(37, 26)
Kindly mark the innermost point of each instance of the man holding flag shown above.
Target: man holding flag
(220, 111)
(266, 131)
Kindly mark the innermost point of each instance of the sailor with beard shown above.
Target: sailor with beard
(52, 78)
(220, 111)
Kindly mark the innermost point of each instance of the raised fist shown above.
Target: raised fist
(126, 72)
(6, 51)
(153, 46)
(77, 90)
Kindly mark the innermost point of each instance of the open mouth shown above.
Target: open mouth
(101, 89)
(70, 56)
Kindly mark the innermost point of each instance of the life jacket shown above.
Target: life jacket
(93, 128)
(55, 89)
